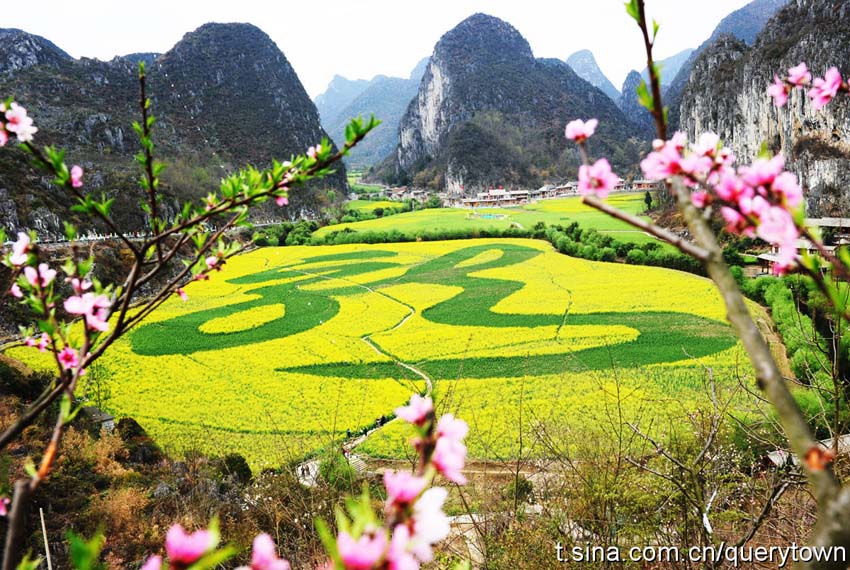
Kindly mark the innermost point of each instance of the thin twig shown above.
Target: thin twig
(679, 242)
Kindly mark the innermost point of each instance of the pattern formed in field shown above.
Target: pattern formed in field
(472, 306)
(289, 347)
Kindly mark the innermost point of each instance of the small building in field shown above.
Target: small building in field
(804, 246)
(642, 184)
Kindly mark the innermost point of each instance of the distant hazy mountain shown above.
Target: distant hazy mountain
(743, 24)
(489, 113)
(670, 67)
(585, 66)
(340, 92)
(387, 98)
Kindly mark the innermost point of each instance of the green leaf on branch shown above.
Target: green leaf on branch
(329, 542)
(29, 469)
(46, 326)
(84, 205)
(70, 231)
(764, 151)
(657, 68)
(104, 206)
(655, 27)
(29, 563)
(633, 10)
(214, 559)
(644, 97)
(85, 554)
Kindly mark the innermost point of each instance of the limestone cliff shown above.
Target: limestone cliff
(727, 94)
(743, 24)
(488, 113)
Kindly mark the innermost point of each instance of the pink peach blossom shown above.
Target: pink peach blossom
(20, 249)
(264, 555)
(597, 179)
(430, 523)
(448, 458)
(43, 342)
(452, 428)
(776, 226)
(41, 278)
(663, 163)
(68, 358)
(706, 144)
(399, 556)
(402, 487)
(731, 188)
(313, 151)
(762, 171)
(579, 131)
(17, 122)
(735, 222)
(153, 563)
(824, 90)
(80, 286)
(76, 176)
(779, 91)
(700, 198)
(184, 549)
(418, 411)
(93, 307)
(182, 294)
(4, 506)
(799, 75)
(15, 291)
(363, 553)
(282, 201)
(785, 186)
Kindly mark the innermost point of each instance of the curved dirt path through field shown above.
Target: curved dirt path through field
(308, 471)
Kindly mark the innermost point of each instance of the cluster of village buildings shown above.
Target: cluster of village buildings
(499, 196)
(838, 229)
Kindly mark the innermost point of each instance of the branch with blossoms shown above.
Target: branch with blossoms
(76, 317)
(821, 91)
(403, 539)
(761, 200)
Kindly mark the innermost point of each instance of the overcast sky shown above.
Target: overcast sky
(320, 39)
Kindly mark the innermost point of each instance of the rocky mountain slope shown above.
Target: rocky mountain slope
(585, 66)
(743, 24)
(727, 94)
(224, 96)
(385, 97)
(488, 113)
(632, 109)
(628, 101)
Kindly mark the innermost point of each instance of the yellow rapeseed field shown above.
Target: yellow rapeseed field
(288, 348)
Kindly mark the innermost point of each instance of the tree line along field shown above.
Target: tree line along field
(561, 211)
(288, 348)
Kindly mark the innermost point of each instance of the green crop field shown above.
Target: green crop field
(370, 205)
(561, 211)
(289, 347)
